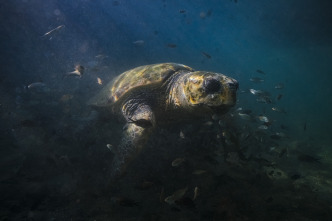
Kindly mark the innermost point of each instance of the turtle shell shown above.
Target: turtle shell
(144, 76)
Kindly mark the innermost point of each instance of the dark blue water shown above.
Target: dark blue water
(54, 161)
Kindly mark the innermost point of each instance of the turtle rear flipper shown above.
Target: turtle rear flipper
(140, 124)
(132, 143)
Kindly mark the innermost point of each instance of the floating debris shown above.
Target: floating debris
(138, 42)
(176, 196)
(177, 162)
(54, 30)
(206, 55)
(256, 79)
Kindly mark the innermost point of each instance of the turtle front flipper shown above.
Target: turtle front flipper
(139, 126)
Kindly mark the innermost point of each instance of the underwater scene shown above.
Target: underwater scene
(157, 110)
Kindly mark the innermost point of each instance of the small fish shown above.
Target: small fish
(198, 172)
(54, 30)
(263, 127)
(282, 152)
(256, 92)
(277, 109)
(170, 45)
(206, 55)
(196, 193)
(138, 42)
(99, 81)
(66, 97)
(260, 71)
(27, 123)
(245, 116)
(263, 119)
(305, 126)
(110, 147)
(162, 195)
(145, 185)
(264, 99)
(256, 79)
(307, 158)
(279, 97)
(277, 135)
(209, 13)
(182, 136)
(177, 162)
(79, 70)
(279, 86)
(182, 11)
(101, 56)
(36, 85)
(208, 123)
(177, 195)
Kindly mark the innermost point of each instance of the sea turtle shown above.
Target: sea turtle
(157, 94)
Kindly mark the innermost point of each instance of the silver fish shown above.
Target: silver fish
(177, 162)
(35, 85)
(196, 193)
(79, 70)
(263, 127)
(256, 79)
(277, 109)
(264, 99)
(245, 116)
(138, 42)
(279, 86)
(256, 92)
(176, 196)
(263, 119)
(54, 30)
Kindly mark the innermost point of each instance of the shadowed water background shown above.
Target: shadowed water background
(53, 146)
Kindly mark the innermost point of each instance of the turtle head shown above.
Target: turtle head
(209, 91)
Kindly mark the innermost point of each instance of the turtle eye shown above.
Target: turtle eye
(211, 86)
